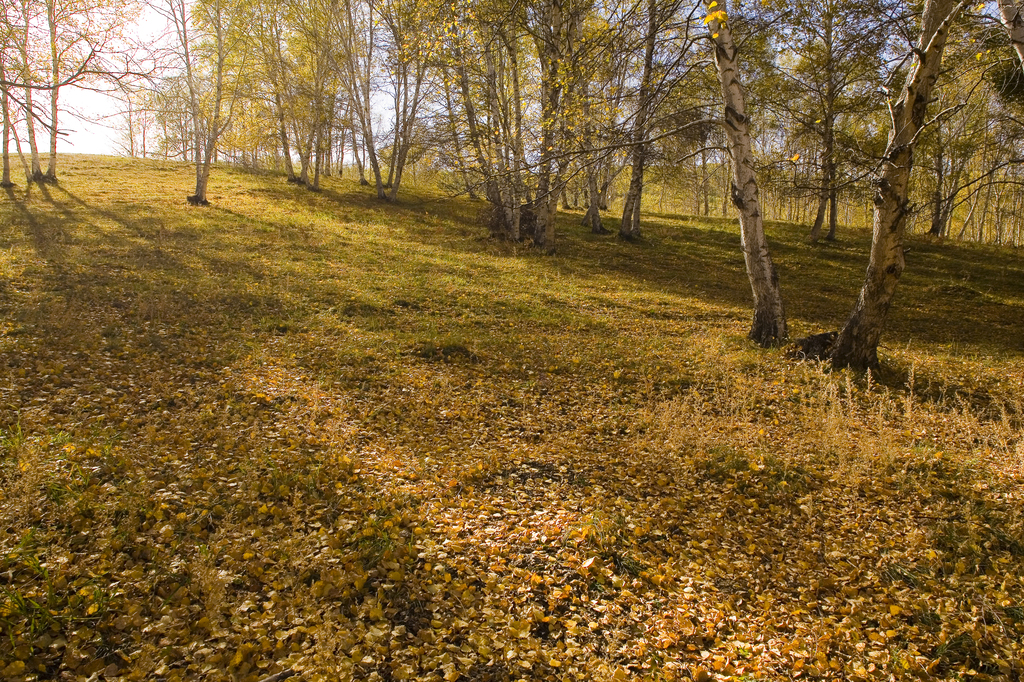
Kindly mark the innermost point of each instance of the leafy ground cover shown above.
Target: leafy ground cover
(312, 433)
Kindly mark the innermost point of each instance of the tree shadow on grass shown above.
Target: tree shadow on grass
(820, 283)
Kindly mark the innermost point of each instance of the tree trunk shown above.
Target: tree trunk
(51, 20)
(827, 195)
(629, 228)
(356, 75)
(705, 179)
(819, 217)
(554, 40)
(833, 210)
(592, 218)
(286, 149)
(1013, 22)
(36, 172)
(406, 124)
(857, 345)
(456, 137)
(769, 325)
(5, 105)
(499, 190)
(360, 164)
(937, 196)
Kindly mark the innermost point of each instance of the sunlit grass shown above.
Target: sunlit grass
(285, 373)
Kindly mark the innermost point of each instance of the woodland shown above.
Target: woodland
(488, 340)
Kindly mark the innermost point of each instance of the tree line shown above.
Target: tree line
(774, 108)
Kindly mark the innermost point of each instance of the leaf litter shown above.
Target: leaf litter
(243, 478)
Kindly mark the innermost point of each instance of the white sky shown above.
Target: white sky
(90, 119)
(94, 130)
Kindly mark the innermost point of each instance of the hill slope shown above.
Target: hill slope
(320, 434)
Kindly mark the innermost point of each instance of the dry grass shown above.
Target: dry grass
(361, 440)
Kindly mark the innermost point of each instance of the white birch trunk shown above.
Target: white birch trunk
(1013, 22)
(857, 345)
(769, 325)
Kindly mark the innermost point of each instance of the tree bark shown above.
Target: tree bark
(769, 325)
(35, 174)
(629, 228)
(5, 104)
(1013, 22)
(286, 149)
(51, 20)
(857, 345)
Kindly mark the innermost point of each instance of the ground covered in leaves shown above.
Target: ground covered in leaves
(360, 441)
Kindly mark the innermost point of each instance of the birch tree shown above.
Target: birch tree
(769, 325)
(356, 27)
(208, 49)
(857, 344)
(1013, 22)
(555, 26)
(7, 36)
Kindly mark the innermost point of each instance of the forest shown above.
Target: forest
(487, 340)
(780, 110)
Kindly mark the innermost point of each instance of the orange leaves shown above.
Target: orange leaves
(320, 496)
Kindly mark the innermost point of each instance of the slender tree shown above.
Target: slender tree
(857, 345)
(208, 48)
(769, 325)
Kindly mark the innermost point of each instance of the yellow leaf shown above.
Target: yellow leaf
(14, 669)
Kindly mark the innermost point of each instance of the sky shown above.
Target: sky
(94, 129)
(91, 119)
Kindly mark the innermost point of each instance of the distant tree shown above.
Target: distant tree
(357, 31)
(485, 70)
(556, 27)
(209, 50)
(409, 47)
(50, 45)
(827, 73)
(667, 39)
(137, 122)
(7, 36)
(27, 18)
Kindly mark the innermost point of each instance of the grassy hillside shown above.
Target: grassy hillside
(316, 433)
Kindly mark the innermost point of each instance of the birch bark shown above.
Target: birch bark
(769, 325)
(857, 345)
